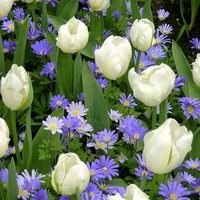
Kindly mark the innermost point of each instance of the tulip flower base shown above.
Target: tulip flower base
(100, 100)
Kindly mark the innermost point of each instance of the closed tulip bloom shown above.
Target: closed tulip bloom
(166, 147)
(70, 175)
(133, 192)
(153, 85)
(72, 36)
(196, 70)
(141, 34)
(4, 137)
(16, 88)
(99, 5)
(113, 57)
(115, 197)
(5, 7)
(29, 1)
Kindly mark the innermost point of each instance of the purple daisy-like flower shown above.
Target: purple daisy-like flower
(33, 33)
(103, 83)
(127, 101)
(117, 14)
(95, 70)
(4, 177)
(179, 82)
(96, 173)
(58, 101)
(162, 14)
(13, 46)
(156, 53)
(6, 46)
(52, 2)
(80, 96)
(84, 128)
(42, 48)
(160, 39)
(40, 195)
(92, 192)
(143, 172)
(22, 192)
(187, 178)
(114, 115)
(195, 43)
(76, 109)
(192, 164)
(49, 70)
(140, 159)
(196, 187)
(122, 158)
(190, 107)
(65, 198)
(173, 190)
(53, 124)
(165, 29)
(145, 62)
(19, 14)
(108, 166)
(8, 26)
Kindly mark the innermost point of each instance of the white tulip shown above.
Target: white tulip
(16, 88)
(70, 174)
(141, 34)
(29, 1)
(153, 85)
(113, 57)
(4, 137)
(99, 5)
(133, 192)
(73, 36)
(196, 70)
(5, 7)
(166, 147)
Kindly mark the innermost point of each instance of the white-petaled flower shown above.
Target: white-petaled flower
(85, 128)
(53, 124)
(99, 5)
(114, 115)
(5, 7)
(72, 36)
(76, 109)
(29, 1)
(196, 70)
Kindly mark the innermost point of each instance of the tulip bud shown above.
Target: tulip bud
(134, 193)
(196, 70)
(70, 175)
(141, 34)
(166, 147)
(4, 137)
(99, 5)
(16, 88)
(5, 7)
(115, 197)
(153, 85)
(73, 36)
(113, 57)
(29, 1)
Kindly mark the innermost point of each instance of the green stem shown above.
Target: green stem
(138, 61)
(163, 111)
(154, 116)
(153, 186)
(15, 138)
(108, 92)
(143, 182)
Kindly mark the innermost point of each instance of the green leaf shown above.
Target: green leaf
(51, 37)
(117, 182)
(27, 146)
(44, 167)
(44, 16)
(56, 21)
(182, 66)
(12, 182)
(97, 115)
(78, 88)
(64, 72)
(135, 10)
(119, 5)
(146, 13)
(21, 43)
(69, 10)
(195, 153)
(2, 68)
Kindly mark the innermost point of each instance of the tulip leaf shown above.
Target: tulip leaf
(146, 13)
(117, 182)
(69, 10)
(135, 10)
(2, 191)
(64, 72)
(195, 153)
(21, 43)
(77, 76)
(27, 146)
(12, 182)
(97, 115)
(2, 68)
(44, 16)
(51, 37)
(56, 21)
(44, 167)
(119, 5)
(182, 66)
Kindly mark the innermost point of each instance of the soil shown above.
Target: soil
(175, 20)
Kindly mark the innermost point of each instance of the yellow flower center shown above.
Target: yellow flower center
(59, 103)
(11, 27)
(91, 194)
(22, 192)
(103, 186)
(107, 139)
(105, 169)
(173, 196)
(197, 189)
(141, 65)
(92, 173)
(75, 112)
(161, 17)
(126, 103)
(136, 136)
(5, 185)
(53, 126)
(52, 68)
(194, 166)
(154, 56)
(144, 173)
(190, 109)
(5, 50)
(101, 145)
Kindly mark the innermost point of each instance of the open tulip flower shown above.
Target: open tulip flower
(153, 85)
